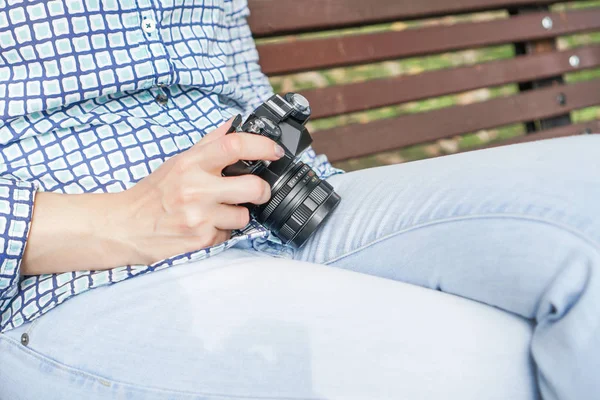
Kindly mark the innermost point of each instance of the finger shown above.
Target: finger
(229, 149)
(215, 236)
(242, 189)
(229, 217)
(217, 133)
(222, 236)
(226, 235)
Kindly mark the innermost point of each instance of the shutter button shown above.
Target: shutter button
(148, 25)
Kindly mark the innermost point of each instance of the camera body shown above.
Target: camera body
(300, 201)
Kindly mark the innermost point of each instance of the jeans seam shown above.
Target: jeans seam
(566, 228)
(31, 327)
(110, 382)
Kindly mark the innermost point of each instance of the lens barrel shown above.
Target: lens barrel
(300, 202)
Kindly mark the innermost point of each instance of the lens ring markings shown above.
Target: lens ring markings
(280, 192)
(293, 200)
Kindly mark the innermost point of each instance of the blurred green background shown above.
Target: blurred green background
(409, 66)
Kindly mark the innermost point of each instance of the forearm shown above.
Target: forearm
(73, 233)
(184, 206)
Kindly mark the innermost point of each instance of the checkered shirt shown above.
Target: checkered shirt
(94, 96)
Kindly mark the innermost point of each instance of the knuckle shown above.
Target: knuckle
(256, 189)
(187, 225)
(183, 196)
(192, 220)
(232, 144)
(266, 192)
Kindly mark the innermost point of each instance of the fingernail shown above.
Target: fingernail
(279, 152)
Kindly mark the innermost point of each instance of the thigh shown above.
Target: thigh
(496, 225)
(241, 327)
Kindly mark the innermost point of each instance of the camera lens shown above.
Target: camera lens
(300, 202)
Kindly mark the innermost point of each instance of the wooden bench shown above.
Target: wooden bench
(543, 103)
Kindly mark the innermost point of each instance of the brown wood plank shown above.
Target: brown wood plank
(592, 127)
(342, 99)
(362, 139)
(306, 55)
(273, 17)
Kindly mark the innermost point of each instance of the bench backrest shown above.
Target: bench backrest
(543, 103)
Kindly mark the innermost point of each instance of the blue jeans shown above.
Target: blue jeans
(470, 276)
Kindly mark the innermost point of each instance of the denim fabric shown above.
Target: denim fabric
(517, 228)
(510, 235)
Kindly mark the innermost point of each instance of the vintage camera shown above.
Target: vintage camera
(300, 201)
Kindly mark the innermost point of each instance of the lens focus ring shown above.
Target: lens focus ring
(281, 193)
(303, 213)
(275, 201)
(300, 202)
(318, 195)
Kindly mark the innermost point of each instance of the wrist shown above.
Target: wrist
(125, 226)
(113, 229)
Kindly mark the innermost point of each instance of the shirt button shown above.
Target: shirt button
(162, 99)
(148, 25)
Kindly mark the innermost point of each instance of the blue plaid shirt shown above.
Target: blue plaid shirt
(94, 96)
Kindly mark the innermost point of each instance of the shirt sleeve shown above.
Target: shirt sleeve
(16, 210)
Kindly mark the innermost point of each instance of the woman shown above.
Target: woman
(113, 139)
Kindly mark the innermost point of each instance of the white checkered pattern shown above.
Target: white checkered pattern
(79, 80)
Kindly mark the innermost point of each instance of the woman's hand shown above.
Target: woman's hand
(184, 205)
(187, 205)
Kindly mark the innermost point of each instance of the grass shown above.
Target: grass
(336, 76)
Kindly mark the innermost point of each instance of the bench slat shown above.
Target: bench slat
(273, 17)
(306, 55)
(342, 99)
(362, 139)
(563, 131)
